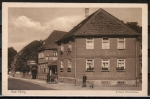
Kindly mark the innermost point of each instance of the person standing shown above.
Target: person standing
(48, 78)
(84, 80)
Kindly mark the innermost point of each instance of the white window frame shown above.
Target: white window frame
(55, 54)
(88, 66)
(119, 41)
(103, 43)
(69, 63)
(41, 55)
(70, 46)
(104, 61)
(47, 57)
(62, 47)
(124, 64)
(61, 64)
(89, 39)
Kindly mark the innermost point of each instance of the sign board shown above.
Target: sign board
(31, 62)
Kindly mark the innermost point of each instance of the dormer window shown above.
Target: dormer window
(43, 42)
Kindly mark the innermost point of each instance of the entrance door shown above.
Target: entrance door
(34, 72)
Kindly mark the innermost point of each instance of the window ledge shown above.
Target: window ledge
(105, 70)
(89, 70)
(121, 49)
(121, 70)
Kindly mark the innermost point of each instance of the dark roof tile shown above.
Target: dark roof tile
(50, 41)
(100, 23)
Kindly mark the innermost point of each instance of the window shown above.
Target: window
(105, 65)
(90, 43)
(39, 68)
(121, 43)
(105, 43)
(47, 57)
(43, 42)
(61, 66)
(55, 54)
(69, 47)
(90, 65)
(140, 50)
(62, 48)
(69, 65)
(120, 64)
(41, 55)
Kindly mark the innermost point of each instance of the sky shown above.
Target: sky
(28, 24)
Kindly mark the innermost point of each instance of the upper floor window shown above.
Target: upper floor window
(55, 54)
(120, 64)
(69, 47)
(90, 43)
(41, 55)
(121, 43)
(105, 43)
(105, 65)
(43, 42)
(90, 65)
(140, 50)
(47, 57)
(62, 48)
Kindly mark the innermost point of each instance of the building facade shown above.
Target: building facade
(47, 55)
(103, 48)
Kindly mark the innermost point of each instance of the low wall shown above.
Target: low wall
(103, 83)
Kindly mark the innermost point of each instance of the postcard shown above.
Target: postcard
(74, 49)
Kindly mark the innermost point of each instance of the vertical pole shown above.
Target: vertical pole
(136, 61)
(75, 61)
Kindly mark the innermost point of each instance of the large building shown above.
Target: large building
(103, 48)
(47, 55)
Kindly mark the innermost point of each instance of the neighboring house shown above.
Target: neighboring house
(103, 48)
(47, 55)
(14, 60)
(13, 64)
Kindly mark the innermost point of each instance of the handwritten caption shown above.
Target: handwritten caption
(18, 91)
(127, 92)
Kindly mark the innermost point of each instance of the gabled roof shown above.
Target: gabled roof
(100, 23)
(49, 42)
(20, 52)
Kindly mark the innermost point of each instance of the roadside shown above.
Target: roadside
(66, 86)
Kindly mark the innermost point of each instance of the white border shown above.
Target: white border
(7, 92)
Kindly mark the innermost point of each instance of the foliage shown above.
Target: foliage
(134, 26)
(28, 53)
(11, 53)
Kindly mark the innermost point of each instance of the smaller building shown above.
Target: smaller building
(47, 55)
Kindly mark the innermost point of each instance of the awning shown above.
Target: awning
(52, 64)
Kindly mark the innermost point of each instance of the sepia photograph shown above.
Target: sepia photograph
(77, 48)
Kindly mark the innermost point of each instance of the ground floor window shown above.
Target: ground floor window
(69, 65)
(89, 64)
(61, 66)
(105, 65)
(120, 64)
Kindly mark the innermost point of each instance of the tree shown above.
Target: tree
(134, 26)
(11, 53)
(28, 53)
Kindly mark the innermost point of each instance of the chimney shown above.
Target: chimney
(86, 12)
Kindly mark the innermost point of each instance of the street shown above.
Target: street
(16, 84)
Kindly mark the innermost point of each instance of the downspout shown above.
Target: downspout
(75, 61)
(136, 60)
